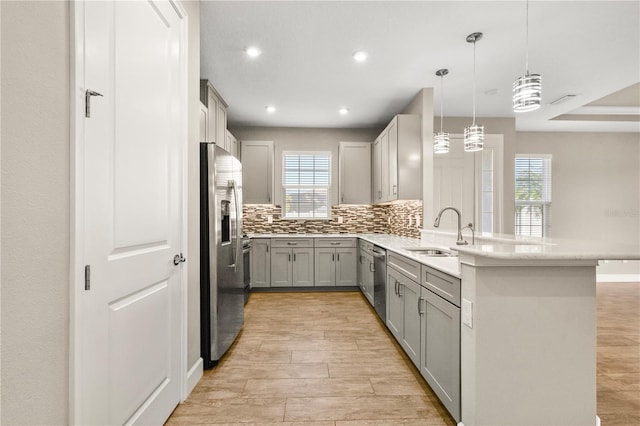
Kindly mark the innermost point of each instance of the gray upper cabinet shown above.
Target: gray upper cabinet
(216, 114)
(376, 171)
(204, 123)
(232, 144)
(257, 172)
(397, 160)
(355, 173)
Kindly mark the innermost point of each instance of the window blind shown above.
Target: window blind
(532, 194)
(306, 181)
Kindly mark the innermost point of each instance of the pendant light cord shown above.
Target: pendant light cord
(441, 102)
(527, 42)
(474, 83)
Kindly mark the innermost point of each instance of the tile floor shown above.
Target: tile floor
(317, 359)
(312, 359)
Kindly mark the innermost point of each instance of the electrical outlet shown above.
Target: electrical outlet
(467, 313)
(417, 221)
(340, 219)
(410, 221)
(269, 218)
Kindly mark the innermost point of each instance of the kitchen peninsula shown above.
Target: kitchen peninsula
(527, 323)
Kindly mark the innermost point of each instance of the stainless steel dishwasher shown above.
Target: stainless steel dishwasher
(380, 282)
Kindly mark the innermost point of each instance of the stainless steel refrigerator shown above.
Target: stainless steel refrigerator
(221, 271)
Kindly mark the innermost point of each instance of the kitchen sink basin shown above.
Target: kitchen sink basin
(432, 251)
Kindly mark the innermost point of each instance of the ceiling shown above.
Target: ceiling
(590, 49)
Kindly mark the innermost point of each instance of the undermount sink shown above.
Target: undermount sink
(432, 251)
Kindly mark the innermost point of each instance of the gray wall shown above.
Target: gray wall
(291, 138)
(35, 212)
(193, 192)
(595, 183)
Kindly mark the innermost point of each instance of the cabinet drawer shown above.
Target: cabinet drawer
(292, 242)
(409, 267)
(335, 242)
(443, 285)
(365, 245)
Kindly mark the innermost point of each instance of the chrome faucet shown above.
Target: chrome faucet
(461, 241)
(473, 233)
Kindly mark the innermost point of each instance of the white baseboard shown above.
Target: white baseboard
(597, 422)
(194, 375)
(617, 278)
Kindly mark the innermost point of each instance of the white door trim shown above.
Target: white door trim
(77, 175)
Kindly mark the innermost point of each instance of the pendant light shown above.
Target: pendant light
(441, 139)
(527, 90)
(474, 134)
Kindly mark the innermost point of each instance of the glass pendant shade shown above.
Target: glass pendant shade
(473, 138)
(441, 143)
(527, 93)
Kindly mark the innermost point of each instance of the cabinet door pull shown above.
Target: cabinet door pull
(294, 257)
(395, 287)
(290, 243)
(420, 312)
(395, 190)
(400, 292)
(372, 267)
(333, 257)
(338, 255)
(289, 257)
(267, 248)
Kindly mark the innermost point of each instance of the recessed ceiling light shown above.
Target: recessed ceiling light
(360, 56)
(253, 52)
(344, 111)
(270, 109)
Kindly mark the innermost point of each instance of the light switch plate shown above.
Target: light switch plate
(269, 219)
(340, 220)
(467, 313)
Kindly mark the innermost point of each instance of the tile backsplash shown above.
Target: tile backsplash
(400, 218)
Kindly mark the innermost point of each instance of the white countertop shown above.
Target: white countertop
(510, 247)
(395, 243)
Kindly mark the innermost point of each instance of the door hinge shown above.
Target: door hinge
(87, 277)
(87, 101)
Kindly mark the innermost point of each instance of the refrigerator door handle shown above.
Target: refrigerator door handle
(234, 189)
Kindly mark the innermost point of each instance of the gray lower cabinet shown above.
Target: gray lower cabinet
(365, 274)
(260, 262)
(440, 351)
(335, 266)
(403, 312)
(335, 262)
(291, 267)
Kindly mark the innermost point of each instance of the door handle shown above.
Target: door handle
(333, 257)
(178, 259)
(338, 257)
(419, 306)
(400, 293)
(395, 189)
(289, 257)
(395, 287)
(294, 257)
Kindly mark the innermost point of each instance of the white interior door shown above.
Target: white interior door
(127, 321)
(453, 177)
(470, 182)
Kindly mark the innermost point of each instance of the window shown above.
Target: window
(533, 194)
(306, 181)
